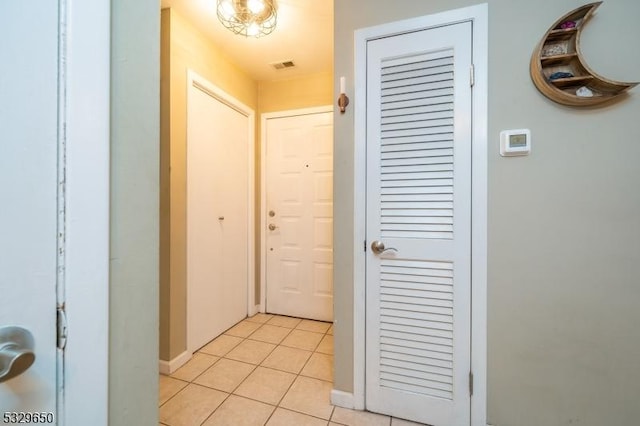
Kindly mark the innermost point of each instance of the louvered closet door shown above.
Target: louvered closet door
(419, 203)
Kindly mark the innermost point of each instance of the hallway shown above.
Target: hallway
(266, 370)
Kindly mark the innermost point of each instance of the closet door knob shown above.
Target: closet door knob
(379, 248)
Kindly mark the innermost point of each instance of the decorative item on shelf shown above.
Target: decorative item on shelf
(584, 92)
(343, 99)
(554, 49)
(250, 18)
(559, 74)
(559, 71)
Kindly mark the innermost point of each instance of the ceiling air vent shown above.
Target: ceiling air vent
(283, 64)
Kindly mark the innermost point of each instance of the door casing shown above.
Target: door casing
(263, 189)
(478, 15)
(85, 108)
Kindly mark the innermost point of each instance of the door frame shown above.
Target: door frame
(199, 82)
(264, 118)
(84, 77)
(478, 15)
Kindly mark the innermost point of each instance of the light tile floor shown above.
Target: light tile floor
(266, 370)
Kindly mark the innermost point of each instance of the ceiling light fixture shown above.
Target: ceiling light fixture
(250, 18)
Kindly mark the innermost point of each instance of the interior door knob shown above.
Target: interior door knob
(16, 352)
(378, 247)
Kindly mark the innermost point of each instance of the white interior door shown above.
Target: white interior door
(218, 139)
(28, 163)
(418, 285)
(299, 215)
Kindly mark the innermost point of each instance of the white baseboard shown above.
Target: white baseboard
(342, 399)
(168, 367)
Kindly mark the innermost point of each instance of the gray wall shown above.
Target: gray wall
(564, 222)
(135, 109)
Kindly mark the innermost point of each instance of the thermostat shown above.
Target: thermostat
(515, 142)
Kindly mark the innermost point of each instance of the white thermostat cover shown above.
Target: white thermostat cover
(515, 142)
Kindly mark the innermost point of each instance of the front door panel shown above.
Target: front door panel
(299, 234)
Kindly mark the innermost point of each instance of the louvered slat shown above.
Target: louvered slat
(416, 152)
(432, 137)
(414, 337)
(413, 353)
(416, 327)
(409, 366)
(431, 96)
(431, 332)
(416, 146)
(401, 110)
(397, 67)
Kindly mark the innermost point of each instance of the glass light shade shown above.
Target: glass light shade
(250, 18)
(255, 6)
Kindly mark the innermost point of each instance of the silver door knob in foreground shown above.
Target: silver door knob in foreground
(16, 352)
(378, 247)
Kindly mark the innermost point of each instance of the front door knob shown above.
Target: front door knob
(272, 227)
(16, 352)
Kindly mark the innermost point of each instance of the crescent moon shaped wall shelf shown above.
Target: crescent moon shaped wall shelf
(559, 71)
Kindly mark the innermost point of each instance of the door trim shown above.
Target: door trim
(264, 118)
(84, 113)
(478, 15)
(201, 83)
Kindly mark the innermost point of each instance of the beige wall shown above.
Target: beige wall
(183, 47)
(133, 281)
(295, 93)
(564, 222)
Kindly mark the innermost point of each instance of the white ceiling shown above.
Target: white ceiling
(304, 34)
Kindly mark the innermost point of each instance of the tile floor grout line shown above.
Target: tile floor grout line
(297, 376)
(206, 369)
(277, 344)
(192, 382)
(237, 386)
(305, 414)
(172, 396)
(333, 410)
(255, 367)
(215, 409)
(270, 415)
(285, 393)
(291, 385)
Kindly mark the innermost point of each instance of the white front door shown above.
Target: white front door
(418, 226)
(299, 215)
(28, 216)
(218, 222)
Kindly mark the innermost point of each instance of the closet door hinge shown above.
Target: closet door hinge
(470, 383)
(472, 77)
(365, 246)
